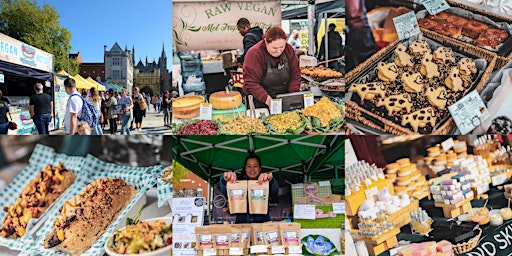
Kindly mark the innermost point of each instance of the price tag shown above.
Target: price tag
(338, 208)
(276, 106)
(308, 100)
(209, 252)
(2, 79)
(406, 25)
(258, 249)
(447, 144)
(298, 185)
(435, 6)
(277, 249)
(370, 193)
(482, 188)
(469, 112)
(499, 179)
(205, 111)
(236, 251)
(324, 183)
(304, 211)
(294, 249)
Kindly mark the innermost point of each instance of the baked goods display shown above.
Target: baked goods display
(36, 197)
(319, 73)
(416, 97)
(84, 218)
(464, 29)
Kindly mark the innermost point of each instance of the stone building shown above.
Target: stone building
(119, 66)
(152, 77)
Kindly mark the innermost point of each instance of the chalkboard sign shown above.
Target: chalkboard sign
(118, 109)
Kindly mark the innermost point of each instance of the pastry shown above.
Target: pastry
(395, 103)
(419, 47)
(392, 168)
(403, 59)
(403, 162)
(428, 23)
(428, 67)
(85, 217)
(474, 28)
(454, 81)
(35, 198)
(456, 20)
(439, 16)
(368, 91)
(412, 82)
(449, 30)
(387, 72)
(444, 55)
(466, 67)
(492, 37)
(437, 96)
(420, 118)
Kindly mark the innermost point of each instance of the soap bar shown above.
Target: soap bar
(444, 246)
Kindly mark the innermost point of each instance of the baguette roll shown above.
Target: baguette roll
(84, 218)
(35, 198)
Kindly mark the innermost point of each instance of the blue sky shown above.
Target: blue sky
(146, 25)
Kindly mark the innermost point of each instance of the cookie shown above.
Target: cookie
(437, 97)
(428, 67)
(387, 72)
(403, 59)
(466, 66)
(395, 103)
(444, 55)
(454, 81)
(420, 118)
(419, 47)
(412, 82)
(368, 91)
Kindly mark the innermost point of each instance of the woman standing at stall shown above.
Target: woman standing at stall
(251, 171)
(271, 67)
(138, 109)
(127, 102)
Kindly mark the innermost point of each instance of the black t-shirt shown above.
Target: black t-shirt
(4, 108)
(164, 103)
(41, 102)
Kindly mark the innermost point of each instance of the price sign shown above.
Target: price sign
(435, 6)
(308, 100)
(304, 211)
(406, 25)
(469, 112)
(447, 144)
(295, 249)
(236, 251)
(499, 179)
(277, 249)
(276, 106)
(338, 208)
(205, 111)
(258, 248)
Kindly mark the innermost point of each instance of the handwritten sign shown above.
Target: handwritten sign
(205, 111)
(406, 25)
(435, 6)
(308, 100)
(276, 106)
(304, 211)
(469, 112)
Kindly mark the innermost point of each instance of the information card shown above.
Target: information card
(469, 112)
(435, 6)
(205, 111)
(276, 106)
(187, 214)
(406, 25)
(304, 211)
(309, 100)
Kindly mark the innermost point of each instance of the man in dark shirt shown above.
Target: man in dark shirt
(251, 36)
(41, 109)
(4, 109)
(334, 47)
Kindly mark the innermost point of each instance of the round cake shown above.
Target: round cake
(187, 106)
(223, 100)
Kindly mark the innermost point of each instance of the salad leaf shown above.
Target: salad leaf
(130, 221)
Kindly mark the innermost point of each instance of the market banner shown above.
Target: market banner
(17, 52)
(497, 242)
(212, 25)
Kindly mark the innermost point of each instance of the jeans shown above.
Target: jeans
(166, 116)
(4, 128)
(113, 125)
(97, 130)
(158, 105)
(42, 121)
(124, 124)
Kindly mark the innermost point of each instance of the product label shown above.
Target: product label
(237, 194)
(205, 111)
(245, 237)
(304, 211)
(295, 249)
(435, 6)
(221, 240)
(469, 112)
(205, 240)
(259, 236)
(406, 25)
(235, 238)
(290, 236)
(258, 194)
(272, 237)
(236, 251)
(276, 106)
(309, 100)
(258, 249)
(278, 249)
(209, 252)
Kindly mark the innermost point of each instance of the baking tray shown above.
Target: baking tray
(366, 72)
(482, 9)
(41, 156)
(138, 177)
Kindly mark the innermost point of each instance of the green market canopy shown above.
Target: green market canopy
(318, 157)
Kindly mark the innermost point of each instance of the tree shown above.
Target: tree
(39, 27)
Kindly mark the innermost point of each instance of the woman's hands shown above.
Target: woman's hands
(230, 177)
(264, 177)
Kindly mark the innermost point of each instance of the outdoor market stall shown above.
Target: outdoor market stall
(300, 160)
(445, 68)
(431, 195)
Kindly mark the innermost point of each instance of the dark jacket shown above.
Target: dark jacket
(253, 36)
(246, 217)
(334, 50)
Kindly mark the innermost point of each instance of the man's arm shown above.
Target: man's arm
(51, 108)
(73, 121)
(31, 110)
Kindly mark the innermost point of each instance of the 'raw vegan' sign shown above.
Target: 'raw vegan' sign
(212, 25)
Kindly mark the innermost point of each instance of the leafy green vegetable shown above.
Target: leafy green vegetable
(130, 221)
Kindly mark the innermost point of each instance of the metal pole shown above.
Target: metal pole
(326, 39)
(311, 24)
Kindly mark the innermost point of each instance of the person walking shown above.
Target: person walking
(95, 100)
(334, 48)
(159, 103)
(138, 108)
(252, 35)
(127, 103)
(41, 109)
(112, 118)
(153, 102)
(73, 106)
(166, 101)
(4, 109)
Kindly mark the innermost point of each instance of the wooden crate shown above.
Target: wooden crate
(355, 200)
(402, 217)
(382, 243)
(454, 210)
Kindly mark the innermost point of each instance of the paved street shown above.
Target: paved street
(153, 123)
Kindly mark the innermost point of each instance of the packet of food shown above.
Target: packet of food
(236, 236)
(290, 234)
(257, 234)
(271, 233)
(258, 197)
(246, 237)
(221, 238)
(237, 196)
(204, 238)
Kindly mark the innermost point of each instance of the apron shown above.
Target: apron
(275, 79)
